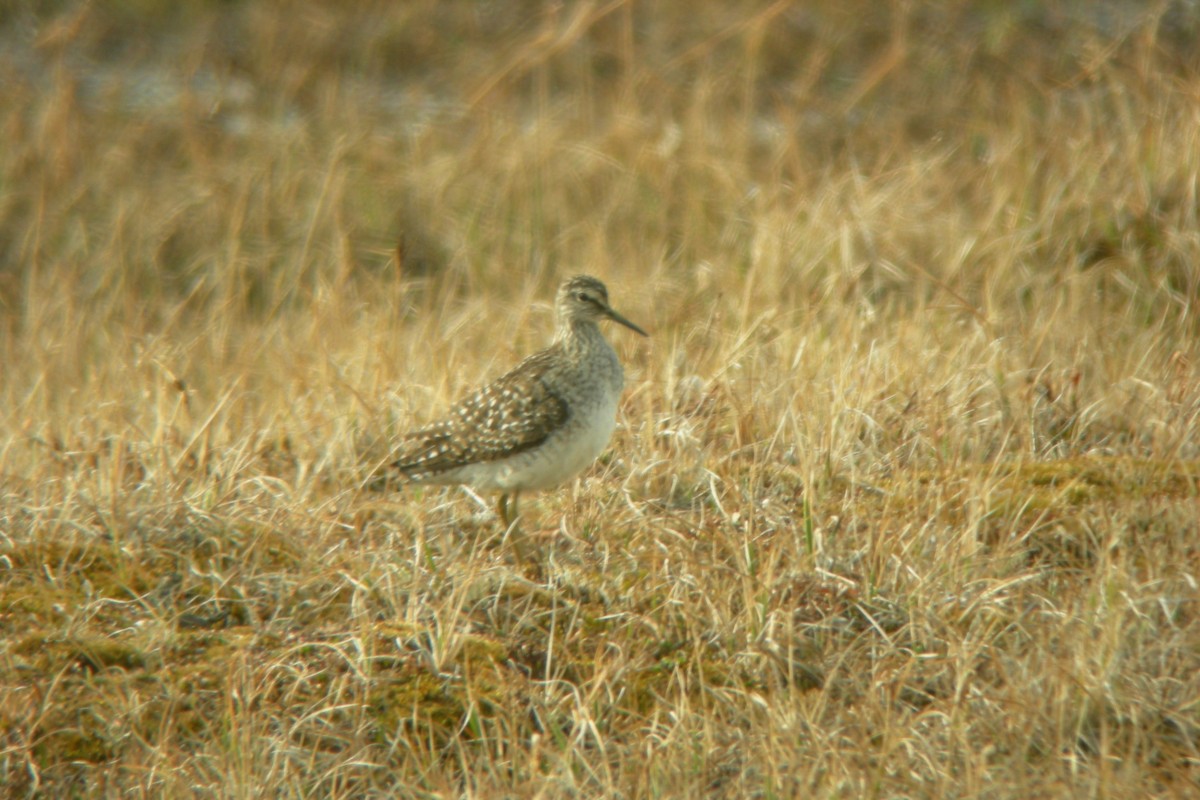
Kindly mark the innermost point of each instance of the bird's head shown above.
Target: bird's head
(583, 298)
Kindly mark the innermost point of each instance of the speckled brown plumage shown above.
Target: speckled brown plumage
(540, 423)
(516, 412)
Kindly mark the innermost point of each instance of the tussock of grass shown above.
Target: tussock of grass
(903, 499)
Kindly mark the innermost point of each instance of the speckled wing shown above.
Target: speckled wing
(515, 413)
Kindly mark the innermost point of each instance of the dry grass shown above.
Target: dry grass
(904, 501)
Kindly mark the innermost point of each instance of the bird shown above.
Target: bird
(537, 425)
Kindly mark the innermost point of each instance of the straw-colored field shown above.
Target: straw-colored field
(904, 497)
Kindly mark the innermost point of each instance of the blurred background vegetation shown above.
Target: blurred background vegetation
(675, 123)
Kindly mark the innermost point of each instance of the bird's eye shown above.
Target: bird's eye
(582, 297)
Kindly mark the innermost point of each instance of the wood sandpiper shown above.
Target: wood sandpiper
(538, 425)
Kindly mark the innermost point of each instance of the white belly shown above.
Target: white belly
(561, 457)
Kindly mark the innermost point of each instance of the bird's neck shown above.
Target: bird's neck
(580, 336)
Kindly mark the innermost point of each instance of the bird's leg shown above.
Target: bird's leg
(502, 510)
(511, 521)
